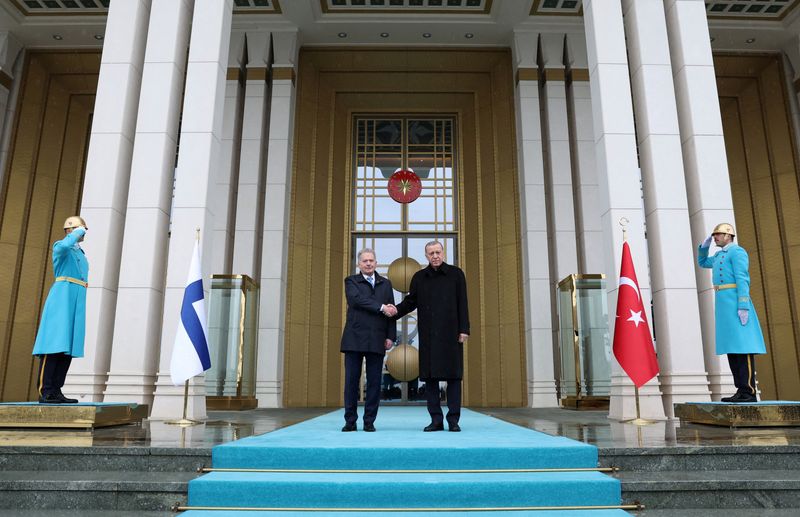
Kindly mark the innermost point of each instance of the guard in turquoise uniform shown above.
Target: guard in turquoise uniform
(63, 325)
(737, 329)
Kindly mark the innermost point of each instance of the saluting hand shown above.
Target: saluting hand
(707, 242)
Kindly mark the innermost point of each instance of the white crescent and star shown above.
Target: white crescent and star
(624, 280)
(636, 316)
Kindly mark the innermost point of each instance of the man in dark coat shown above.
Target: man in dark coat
(368, 333)
(439, 293)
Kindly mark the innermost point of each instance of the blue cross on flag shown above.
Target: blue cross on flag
(190, 355)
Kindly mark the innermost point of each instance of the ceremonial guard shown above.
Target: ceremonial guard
(738, 333)
(63, 324)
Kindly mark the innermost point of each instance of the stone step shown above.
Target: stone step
(63, 490)
(135, 459)
(743, 457)
(778, 489)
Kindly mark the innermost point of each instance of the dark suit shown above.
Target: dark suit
(364, 337)
(440, 297)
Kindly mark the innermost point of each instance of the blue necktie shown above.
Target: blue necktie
(371, 280)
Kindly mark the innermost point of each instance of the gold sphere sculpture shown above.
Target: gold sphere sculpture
(401, 271)
(403, 363)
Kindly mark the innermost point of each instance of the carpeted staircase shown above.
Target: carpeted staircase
(491, 467)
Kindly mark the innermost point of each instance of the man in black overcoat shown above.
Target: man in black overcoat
(439, 293)
(368, 333)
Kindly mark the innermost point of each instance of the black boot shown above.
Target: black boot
(65, 400)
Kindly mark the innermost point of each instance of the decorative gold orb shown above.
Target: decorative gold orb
(401, 271)
(403, 363)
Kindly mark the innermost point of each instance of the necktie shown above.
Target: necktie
(371, 280)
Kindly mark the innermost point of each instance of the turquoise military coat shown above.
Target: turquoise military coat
(63, 324)
(730, 266)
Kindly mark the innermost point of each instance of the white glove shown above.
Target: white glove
(744, 315)
(707, 242)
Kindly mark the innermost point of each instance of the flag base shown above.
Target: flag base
(183, 422)
(639, 421)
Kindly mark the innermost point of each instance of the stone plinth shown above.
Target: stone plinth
(756, 414)
(83, 415)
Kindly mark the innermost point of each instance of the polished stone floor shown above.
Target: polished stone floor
(592, 427)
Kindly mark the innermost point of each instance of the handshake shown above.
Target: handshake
(389, 310)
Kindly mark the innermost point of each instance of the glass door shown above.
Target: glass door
(384, 146)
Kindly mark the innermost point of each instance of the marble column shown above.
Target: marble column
(579, 100)
(559, 196)
(137, 325)
(250, 199)
(12, 60)
(274, 242)
(618, 173)
(676, 317)
(536, 267)
(105, 187)
(224, 193)
(199, 157)
(223, 203)
(704, 158)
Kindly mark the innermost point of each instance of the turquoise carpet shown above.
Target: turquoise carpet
(485, 445)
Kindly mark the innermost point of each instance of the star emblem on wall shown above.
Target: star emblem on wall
(404, 186)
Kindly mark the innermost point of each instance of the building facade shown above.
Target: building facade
(271, 126)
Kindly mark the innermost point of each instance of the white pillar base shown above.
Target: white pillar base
(684, 387)
(269, 394)
(622, 405)
(542, 394)
(86, 387)
(129, 387)
(168, 400)
(721, 384)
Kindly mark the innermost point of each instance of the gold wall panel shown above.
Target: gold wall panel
(762, 163)
(476, 87)
(43, 184)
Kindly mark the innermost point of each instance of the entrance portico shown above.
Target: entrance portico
(239, 119)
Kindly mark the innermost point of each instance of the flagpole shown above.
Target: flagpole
(623, 222)
(185, 421)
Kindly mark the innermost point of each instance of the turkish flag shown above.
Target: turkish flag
(633, 346)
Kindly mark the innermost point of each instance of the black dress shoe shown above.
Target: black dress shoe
(348, 428)
(455, 428)
(434, 427)
(65, 400)
(50, 398)
(744, 398)
(369, 428)
(740, 398)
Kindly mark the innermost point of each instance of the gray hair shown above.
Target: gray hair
(367, 250)
(433, 243)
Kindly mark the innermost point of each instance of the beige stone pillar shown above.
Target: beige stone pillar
(198, 159)
(105, 187)
(619, 179)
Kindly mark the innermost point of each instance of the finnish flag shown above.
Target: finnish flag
(190, 355)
